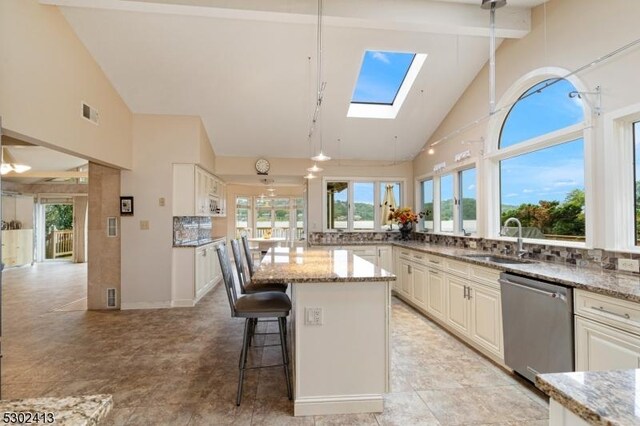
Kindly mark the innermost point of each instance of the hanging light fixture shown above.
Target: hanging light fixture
(9, 163)
(320, 90)
(310, 176)
(492, 5)
(315, 169)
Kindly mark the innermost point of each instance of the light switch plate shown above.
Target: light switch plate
(473, 244)
(161, 202)
(144, 225)
(630, 265)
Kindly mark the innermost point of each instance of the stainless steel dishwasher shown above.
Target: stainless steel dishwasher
(537, 318)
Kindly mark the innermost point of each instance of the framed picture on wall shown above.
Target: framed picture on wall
(126, 206)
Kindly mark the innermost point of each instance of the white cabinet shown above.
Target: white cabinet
(385, 258)
(486, 317)
(208, 270)
(436, 294)
(197, 192)
(607, 332)
(17, 247)
(464, 298)
(367, 253)
(457, 306)
(195, 272)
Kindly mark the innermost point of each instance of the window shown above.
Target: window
(468, 208)
(427, 205)
(383, 83)
(636, 179)
(541, 163)
(280, 214)
(359, 205)
(446, 203)
(381, 76)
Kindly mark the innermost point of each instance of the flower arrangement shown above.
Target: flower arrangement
(404, 215)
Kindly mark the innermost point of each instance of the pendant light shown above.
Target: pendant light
(310, 176)
(320, 90)
(9, 163)
(315, 168)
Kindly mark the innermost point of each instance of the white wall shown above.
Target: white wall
(565, 34)
(45, 74)
(158, 142)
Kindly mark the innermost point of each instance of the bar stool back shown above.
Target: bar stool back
(246, 286)
(247, 253)
(251, 307)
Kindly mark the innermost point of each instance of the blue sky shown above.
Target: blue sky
(380, 76)
(548, 174)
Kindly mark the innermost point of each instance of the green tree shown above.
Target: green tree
(58, 215)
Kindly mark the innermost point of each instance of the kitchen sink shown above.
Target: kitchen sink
(497, 259)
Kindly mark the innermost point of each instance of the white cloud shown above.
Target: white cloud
(512, 195)
(471, 187)
(527, 191)
(565, 182)
(380, 57)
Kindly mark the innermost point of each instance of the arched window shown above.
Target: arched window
(541, 163)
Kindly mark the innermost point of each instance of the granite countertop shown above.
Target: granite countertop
(598, 397)
(610, 283)
(73, 410)
(303, 265)
(198, 243)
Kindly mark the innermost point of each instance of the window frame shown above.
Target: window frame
(618, 186)
(253, 209)
(582, 130)
(456, 171)
(377, 200)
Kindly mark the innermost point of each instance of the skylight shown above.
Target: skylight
(381, 76)
(383, 83)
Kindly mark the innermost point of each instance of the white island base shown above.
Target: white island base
(341, 366)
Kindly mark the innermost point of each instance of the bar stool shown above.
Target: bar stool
(267, 304)
(246, 286)
(248, 254)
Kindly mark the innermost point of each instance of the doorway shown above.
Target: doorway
(61, 228)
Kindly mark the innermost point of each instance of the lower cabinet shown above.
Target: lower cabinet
(195, 272)
(208, 270)
(457, 304)
(602, 347)
(463, 298)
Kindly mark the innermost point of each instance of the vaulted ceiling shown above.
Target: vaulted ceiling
(248, 68)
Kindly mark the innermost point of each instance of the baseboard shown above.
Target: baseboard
(182, 303)
(344, 404)
(144, 305)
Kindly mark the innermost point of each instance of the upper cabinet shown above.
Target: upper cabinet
(197, 192)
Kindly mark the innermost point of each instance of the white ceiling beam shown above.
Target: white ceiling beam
(49, 174)
(407, 15)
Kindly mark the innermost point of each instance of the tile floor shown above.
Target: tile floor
(179, 366)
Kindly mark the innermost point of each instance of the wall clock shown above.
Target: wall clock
(262, 166)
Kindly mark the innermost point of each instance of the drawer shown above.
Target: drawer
(419, 257)
(486, 276)
(616, 312)
(367, 251)
(456, 267)
(435, 262)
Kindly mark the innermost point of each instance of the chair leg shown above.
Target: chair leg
(285, 356)
(243, 358)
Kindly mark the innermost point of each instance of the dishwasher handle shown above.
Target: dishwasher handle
(554, 295)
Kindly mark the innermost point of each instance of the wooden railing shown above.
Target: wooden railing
(59, 244)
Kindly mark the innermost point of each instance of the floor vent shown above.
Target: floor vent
(89, 113)
(111, 298)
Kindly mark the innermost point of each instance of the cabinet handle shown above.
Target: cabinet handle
(434, 261)
(418, 257)
(465, 292)
(435, 272)
(469, 293)
(409, 267)
(602, 309)
(378, 252)
(405, 253)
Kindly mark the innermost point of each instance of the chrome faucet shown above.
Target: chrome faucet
(521, 251)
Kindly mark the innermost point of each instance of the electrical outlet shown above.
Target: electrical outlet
(473, 244)
(161, 202)
(144, 225)
(313, 316)
(630, 265)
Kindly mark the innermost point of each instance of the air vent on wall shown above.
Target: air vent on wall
(111, 297)
(89, 113)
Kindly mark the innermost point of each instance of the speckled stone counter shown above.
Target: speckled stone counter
(197, 243)
(304, 265)
(615, 284)
(73, 410)
(598, 397)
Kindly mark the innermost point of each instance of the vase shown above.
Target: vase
(405, 230)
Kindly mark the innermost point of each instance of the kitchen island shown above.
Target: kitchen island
(340, 328)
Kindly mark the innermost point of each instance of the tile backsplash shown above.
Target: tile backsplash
(191, 229)
(579, 257)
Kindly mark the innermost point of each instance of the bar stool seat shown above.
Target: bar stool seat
(263, 304)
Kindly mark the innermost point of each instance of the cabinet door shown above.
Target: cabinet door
(435, 294)
(486, 318)
(457, 306)
(419, 277)
(385, 259)
(405, 278)
(216, 271)
(201, 269)
(600, 347)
